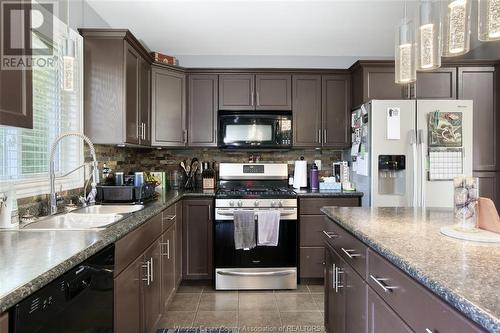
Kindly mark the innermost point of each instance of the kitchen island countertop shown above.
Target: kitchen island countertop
(464, 274)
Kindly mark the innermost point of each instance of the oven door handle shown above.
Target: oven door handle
(232, 213)
(271, 273)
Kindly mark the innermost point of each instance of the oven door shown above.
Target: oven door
(254, 131)
(282, 255)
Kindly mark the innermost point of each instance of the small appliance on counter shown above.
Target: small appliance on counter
(127, 189)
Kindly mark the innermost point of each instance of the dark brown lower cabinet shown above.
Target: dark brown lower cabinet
(381, 318)
(168, 271)
(4, 323)
(178, 243)
(127, 299)
(197, 239)
(346, 296)
(152, 286)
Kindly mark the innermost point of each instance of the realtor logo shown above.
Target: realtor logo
(19, 21)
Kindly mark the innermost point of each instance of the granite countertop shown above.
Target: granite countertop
(31, 259)
(464, 274)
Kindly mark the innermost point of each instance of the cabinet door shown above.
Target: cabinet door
(336, 111)
(489, 186)
(381, 318)
(311, 262)
(273, 92)
(478, 84)
(168, 108)
(145, 102)
(4, 323)
(335, 311)
(355, 300)
(16, 87)
(202, 110)
(306, 110)
(441, 83)
(132, 126)
(128, 298)
(168, 264)
(236, 92)
(152, 289)
(197, 239)
(378, 83)
(178, 243)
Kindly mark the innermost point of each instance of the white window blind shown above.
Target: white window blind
(25, 153)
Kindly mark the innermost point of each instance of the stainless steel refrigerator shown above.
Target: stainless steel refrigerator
(407, 152)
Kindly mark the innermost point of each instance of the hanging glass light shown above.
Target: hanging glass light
(428, 50)
(489, 20)
(456, 27)
(404, 52)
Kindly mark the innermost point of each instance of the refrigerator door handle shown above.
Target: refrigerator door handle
(413, 144)
(421, 142)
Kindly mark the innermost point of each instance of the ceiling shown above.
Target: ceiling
(260, 33)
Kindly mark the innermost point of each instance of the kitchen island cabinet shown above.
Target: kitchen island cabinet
(4, 323)
(397, 284)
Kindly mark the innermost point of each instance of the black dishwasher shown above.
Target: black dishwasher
(80, 301)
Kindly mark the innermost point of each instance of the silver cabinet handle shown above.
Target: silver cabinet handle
(151, 268)
(350, 253)
(319, 136)
(144, 131)
(252, 93)
(324, 136)
(428, 330)
(334, 282)
(185, 135)
(169, 217)
(148, 272)
(338, 271)
(330, 234)
(168, 248)
(378, 281)
(258, 98)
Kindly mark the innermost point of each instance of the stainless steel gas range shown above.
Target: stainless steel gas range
(255, 187)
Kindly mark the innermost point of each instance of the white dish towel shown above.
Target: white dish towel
(268, 227)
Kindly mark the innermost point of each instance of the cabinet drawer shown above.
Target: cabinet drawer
(311, 230)
(311, 206)
(168, 217)
(311, 262)
(349, 248)
(405, 295)
(132, 245)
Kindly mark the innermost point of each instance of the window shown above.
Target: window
(25, 153)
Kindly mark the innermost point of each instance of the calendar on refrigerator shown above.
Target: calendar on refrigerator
(445, 163)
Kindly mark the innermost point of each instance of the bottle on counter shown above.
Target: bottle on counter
(314, 177)
(208, 176)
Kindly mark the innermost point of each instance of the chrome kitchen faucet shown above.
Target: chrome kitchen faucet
(90, 198)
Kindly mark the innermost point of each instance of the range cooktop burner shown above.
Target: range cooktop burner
(256, 192)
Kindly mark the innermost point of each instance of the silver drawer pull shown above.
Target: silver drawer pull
(275, 273)
(148, 272)
(428, 330)
(350, 253)
(330, 234)
(338, 285)
(169, 217)
(151, 268)
(385, 288)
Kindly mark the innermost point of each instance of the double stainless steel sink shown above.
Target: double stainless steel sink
(94, 217)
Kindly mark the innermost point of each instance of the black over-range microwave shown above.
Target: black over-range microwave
(252, 130)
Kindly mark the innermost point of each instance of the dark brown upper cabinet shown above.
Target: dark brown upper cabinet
(438, 84)
(481, 84)
(375, 80)
(255, 92)
(336, 111)
(306, 110)
(273, 92)
(168, 107)
(16, 87)
(202, 110)
(237, 92)
(117, 88)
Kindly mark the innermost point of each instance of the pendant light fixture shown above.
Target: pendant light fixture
(404, 52)
(489, 20)
(69, 51)
(428, 50)
(456, 27)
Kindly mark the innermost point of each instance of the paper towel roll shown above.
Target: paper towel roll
(300, 174)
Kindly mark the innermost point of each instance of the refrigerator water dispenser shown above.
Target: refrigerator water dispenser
(392, 174)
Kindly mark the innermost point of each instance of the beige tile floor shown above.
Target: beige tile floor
(298, 310)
